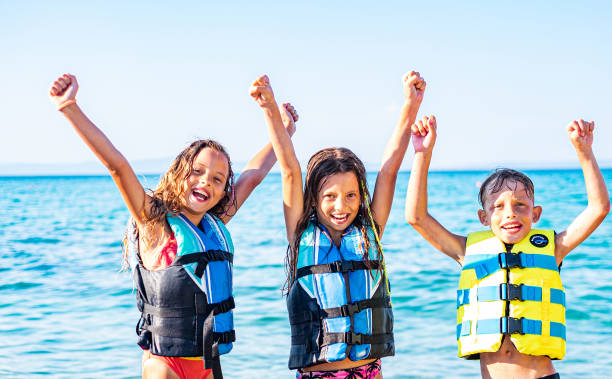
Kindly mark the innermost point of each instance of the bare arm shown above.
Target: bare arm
(63, 93)
(414, 89)
(598, 200)
(423, 138)
(293, 197)
(258, 167)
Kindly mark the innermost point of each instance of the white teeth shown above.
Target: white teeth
(200, 195)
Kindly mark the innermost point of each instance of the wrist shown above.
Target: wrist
(410, 108)
(584, 151)
(270, 107)
(65, 104)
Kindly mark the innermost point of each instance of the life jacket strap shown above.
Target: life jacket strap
(486, 267)
(338, 267)
(505, 291)
(202, 258)
(342, 311)
(355, 307)
(352, 338)
(510, 325)
(216, 308)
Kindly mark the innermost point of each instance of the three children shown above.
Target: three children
(511, 302)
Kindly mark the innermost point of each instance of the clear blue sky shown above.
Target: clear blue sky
(503, 79)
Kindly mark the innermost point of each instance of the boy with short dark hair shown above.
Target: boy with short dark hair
(510, 300)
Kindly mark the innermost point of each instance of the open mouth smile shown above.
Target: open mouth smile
(200, 195)
(512, 227)
(340, 219)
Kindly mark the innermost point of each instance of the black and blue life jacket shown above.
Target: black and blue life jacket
(187, 307)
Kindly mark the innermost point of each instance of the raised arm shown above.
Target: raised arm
(63, 94)
(293, 197)
(414, 89)
(259, 166)
(598, 200)
(424, 134)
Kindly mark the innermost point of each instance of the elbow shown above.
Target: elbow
(413, 219)
(290, 172)
(389, 171)
(288, 175)
(118, 167)
(605, 208)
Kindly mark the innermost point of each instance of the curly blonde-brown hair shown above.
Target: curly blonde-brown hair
(168, 196)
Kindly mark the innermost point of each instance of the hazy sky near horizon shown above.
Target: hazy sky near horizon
(503, 78)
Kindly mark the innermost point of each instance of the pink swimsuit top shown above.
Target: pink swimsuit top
(166, 256)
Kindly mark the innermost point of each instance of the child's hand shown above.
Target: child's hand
(290, 117)
(261, 92)
(414, 87)
(581, 133)
(424, 134)
(63, 91)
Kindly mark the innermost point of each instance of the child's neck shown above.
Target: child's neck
(195, 219)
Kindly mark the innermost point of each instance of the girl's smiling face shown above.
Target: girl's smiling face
(205, 185)
(338, 203)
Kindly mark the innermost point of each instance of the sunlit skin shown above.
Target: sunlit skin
(338, 203)
(204, 187)
(510, 212)
(202, 190)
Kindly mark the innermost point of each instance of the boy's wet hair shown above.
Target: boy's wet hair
(499, 178)
(323, 164)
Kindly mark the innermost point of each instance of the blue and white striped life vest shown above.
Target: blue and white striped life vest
(339, 305)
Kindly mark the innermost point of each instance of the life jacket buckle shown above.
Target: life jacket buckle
(511, 260)
(353, 338)
(343, 266)
(350, 309)
(511, 291)
(512, 325)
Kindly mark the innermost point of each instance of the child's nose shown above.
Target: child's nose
(509, 212)
(204, 179)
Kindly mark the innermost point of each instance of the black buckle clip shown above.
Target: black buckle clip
(511, 291)
(510, 260)
(343, 266)
(353, 338)
(513, 325)
(350, 309)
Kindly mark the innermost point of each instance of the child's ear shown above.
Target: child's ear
(482, 215)
(537, 212)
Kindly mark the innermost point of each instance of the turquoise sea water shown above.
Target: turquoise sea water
(67, 311)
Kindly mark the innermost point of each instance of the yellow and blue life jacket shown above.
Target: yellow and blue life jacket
(515, 291)
(339, 305)
(187, 307)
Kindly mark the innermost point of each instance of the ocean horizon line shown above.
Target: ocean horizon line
(158, 166)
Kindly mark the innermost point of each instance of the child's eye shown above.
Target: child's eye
(351, 195)
(497, 206)
(218, 179)
(196, 172)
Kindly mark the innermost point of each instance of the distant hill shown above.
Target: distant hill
(160, 165)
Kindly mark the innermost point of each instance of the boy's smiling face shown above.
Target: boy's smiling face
(509, 212)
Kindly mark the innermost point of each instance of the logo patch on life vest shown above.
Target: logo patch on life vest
(539, 240)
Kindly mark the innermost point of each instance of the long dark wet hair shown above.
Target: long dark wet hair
(168, 196)
(323, 164)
